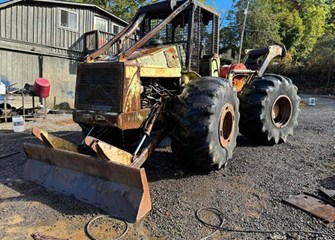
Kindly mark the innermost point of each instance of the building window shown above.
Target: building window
(116, 29)
(68, 19)
(100, 24)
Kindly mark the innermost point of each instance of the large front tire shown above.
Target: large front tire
(206, 117)
(269, 109)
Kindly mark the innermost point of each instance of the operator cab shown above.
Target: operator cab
(195, 30)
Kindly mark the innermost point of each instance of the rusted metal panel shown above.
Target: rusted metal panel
(131, 89)
(93, 117)
(108, 152)
(313, 206)
(144, 52)
(124, 121)
(159, 57)
(84, 164)
(153, 59)
(172, 58)
(157, 62)
(120, 190)
(53, 141)
(132, 120)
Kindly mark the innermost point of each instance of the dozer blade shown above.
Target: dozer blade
(53, 141)
(120, 190)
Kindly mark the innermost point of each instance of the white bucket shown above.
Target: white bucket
(2, 88)
(311, 101)
(18, 124)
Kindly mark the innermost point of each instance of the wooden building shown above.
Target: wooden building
(46, 38)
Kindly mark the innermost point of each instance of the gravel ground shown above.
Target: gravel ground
(249, 191)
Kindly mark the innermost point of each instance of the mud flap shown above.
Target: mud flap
(120, 190)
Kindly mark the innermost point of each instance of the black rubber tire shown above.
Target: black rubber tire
(196, 115)
(258, 122)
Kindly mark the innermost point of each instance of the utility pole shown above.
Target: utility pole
(242, 33)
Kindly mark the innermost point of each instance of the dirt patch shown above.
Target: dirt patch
(64, 122)
(249, 191)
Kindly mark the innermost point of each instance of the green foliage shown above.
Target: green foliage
(124, 9)
(313, 14)
(262, 25)
(322, 58)
(297, 23)
(291, 29)
(331, 17)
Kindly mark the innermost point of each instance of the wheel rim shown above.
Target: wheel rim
(281, 111)
(227, 123)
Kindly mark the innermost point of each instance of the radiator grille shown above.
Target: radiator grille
(195, 52)
(216, 28)
(99, 87)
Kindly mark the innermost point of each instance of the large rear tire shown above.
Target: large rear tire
(269, 109)
(206, 117)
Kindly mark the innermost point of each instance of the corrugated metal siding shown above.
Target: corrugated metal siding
(40, 24)
(18, 68)
(29, 30)
(27, 23)
(21, 68)
(62, 75)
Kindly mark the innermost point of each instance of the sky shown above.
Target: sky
(221, 5)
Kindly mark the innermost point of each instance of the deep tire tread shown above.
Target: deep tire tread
(195, 114)
(256, 104)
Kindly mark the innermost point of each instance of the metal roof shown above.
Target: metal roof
(9, 3)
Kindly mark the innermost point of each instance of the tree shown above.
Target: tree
(314, 15)
(124, 9)
(330, 28)
(322, 60)
(262, 25)
(297, 23)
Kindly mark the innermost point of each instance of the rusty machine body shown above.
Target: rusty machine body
(158, 82)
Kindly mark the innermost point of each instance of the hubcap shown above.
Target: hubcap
(227, 123)
(281, 111)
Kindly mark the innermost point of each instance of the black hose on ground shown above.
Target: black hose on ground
(90, 235)
(220, 227)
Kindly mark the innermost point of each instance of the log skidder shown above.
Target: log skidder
(206, 118)
(123, 91)
(269, 109)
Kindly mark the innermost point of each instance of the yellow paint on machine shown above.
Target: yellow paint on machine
(131, 89)
(160, 72)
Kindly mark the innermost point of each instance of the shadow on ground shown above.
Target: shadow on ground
(161, 165)
(328, 183)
